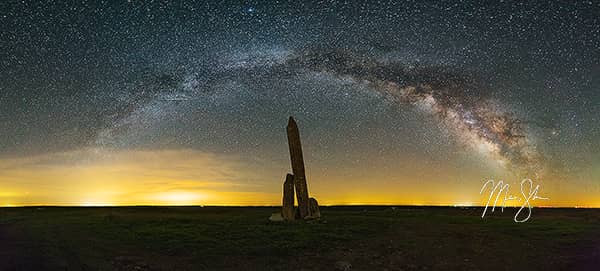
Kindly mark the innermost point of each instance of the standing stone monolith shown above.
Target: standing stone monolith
(288, 198)
(298, 167)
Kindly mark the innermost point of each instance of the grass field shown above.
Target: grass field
(242, 238)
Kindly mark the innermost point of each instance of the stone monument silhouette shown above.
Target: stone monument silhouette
(308, 208)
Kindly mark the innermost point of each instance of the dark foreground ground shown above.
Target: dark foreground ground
(367, 238)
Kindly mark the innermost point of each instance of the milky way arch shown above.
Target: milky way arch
(454, 98)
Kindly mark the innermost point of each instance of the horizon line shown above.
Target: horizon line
(279, 206)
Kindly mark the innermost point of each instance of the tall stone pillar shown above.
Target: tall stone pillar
(298, 167)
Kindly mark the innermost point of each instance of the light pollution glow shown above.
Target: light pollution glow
(93, 177)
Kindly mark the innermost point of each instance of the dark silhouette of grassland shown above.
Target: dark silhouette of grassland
(241, 238)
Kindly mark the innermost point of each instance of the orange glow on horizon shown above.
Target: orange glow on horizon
(95, 177)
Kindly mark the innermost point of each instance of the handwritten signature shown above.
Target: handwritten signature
(501, 187)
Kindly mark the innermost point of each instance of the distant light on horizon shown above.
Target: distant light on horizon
(180, 198)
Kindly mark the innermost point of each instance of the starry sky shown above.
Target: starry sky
(398, 102)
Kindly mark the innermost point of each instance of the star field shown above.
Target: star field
(465, 90)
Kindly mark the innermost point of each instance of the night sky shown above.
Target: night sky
(407, 102)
